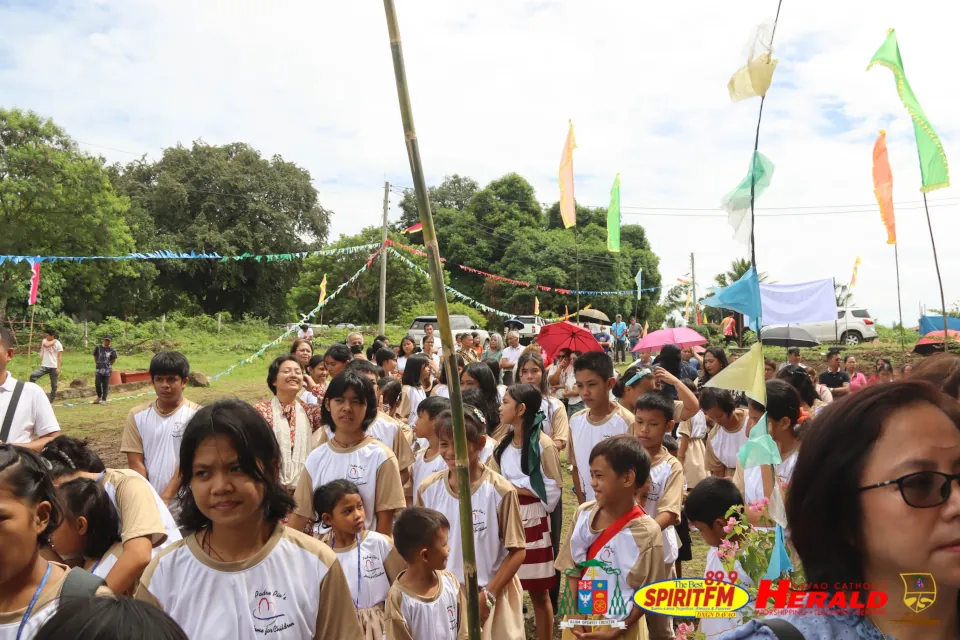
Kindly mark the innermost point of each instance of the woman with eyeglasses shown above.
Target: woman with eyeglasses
(874, 497)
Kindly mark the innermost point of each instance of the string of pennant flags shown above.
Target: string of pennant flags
(163, 254)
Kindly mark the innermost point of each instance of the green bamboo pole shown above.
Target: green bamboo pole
(443, 319)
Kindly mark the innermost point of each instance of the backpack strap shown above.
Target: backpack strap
(783, 629)
(80, 583)
(11, 409)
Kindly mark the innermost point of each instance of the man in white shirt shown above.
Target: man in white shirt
(305, 332)
(29, 422)
(508, 361)
(51, 360)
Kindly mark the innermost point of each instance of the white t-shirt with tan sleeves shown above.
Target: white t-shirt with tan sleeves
(666, 496)
(292, 589)
(47, 604)
(369, 464)
(157, 438)
(439, 616)
(585, 434)
(142, 511)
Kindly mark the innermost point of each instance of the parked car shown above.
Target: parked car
(531, 328)
(458, 324)
(853, 326)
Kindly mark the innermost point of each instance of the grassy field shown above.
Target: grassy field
(211, 354)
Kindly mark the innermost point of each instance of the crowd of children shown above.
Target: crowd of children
(243, 522)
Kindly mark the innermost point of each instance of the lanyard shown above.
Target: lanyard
(33, 602)
(356, 603)
(100, 477)
(96, 564)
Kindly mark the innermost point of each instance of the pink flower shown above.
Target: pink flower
(765, 501)
(727, 529)
(683, 631)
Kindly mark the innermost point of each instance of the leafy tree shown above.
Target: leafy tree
(360, 302)
(738, 269)
(230, 200)
(54, 200)
(453, 193)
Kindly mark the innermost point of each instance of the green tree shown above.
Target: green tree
(54, 200)
(230, 200)
(453, 193)
(360, 302)
(738, 269)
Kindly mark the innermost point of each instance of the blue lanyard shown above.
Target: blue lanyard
(33, 602)
(356, 603)
(100, 477)
(96, 564)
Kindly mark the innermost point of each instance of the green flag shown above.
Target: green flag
(933, 160)
(613, 217)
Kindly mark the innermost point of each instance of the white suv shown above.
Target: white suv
(531, 328)
(853, 326)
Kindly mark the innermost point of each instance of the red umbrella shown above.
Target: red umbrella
(680, 336)
(933, 341)
(564, 335)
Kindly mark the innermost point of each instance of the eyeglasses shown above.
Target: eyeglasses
(922, 489)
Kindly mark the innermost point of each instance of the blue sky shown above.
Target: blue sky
(493, 86)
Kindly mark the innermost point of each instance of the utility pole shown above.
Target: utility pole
(383, 260)
(693, 279)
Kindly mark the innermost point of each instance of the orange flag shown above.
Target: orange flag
(568, 210)
(883, 186)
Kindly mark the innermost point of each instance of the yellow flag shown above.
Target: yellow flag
(746, 374)
(536, 306)
(752, 79)
(323, 290)
(568, 210)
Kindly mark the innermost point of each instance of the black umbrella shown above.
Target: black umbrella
(787, 336)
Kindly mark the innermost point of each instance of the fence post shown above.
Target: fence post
(85, 344)
(219, 321)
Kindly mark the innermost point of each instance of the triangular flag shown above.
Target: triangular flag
(883, 186)
(779, 559)
(613, 217)
(742, 296)
(34, 283)
(746, 374)
(323, 290)
(413, 228)
(759, 448)
(568, 209)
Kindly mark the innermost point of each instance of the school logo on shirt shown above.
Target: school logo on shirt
(355, 474)
(479, 520)
(452, 617)
(178, 430)
(266, 612)
(372, 567)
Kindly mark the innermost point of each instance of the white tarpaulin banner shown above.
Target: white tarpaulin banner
(792, 303)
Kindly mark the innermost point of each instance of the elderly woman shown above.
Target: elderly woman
(302, 351)
(874, 500)
(293, 421)
(494, 350)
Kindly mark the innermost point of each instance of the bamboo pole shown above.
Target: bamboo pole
(443, 319)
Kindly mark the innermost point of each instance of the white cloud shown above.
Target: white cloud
(493, 85)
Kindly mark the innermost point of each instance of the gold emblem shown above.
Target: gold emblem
(919, 591)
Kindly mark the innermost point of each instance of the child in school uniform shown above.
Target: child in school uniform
(498, 534)
(349, 407)
(416, 383)
(425, 602)
(31, 585)
(614, 530)
(490, 416)
(693, 441)
(428, 461)
(783, 412)
(601, 419)
(384, 428)
(683, 529)
(528, 459)
(665, 500)
(369, 561)
(89, 534)
(555, 425)
(242, 574)
(146, 525)
(725, 439)
(707, 507)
